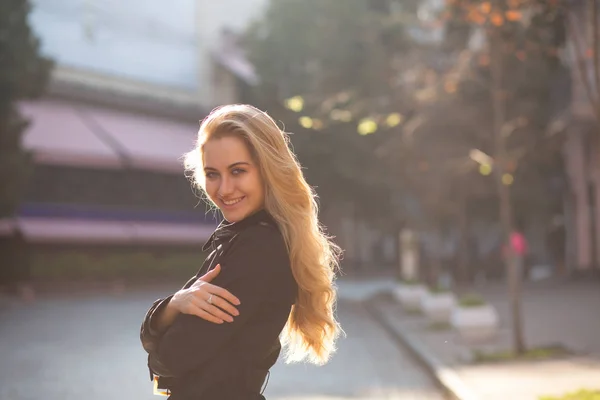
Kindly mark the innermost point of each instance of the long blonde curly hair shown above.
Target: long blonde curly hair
(311, 330)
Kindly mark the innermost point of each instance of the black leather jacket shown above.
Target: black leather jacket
(197, 359)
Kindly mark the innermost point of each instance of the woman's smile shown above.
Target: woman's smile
(230, 203)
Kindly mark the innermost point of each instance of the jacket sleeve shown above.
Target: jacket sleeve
(149, 335)
(249, 272)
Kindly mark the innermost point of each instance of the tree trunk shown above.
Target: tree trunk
(506, 212)
(465, 258)
(435, 266)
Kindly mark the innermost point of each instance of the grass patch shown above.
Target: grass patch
(439, 326)
(413, 311)
(582, 394)
(439, 290)
(410, 282)
(471, 300)
(536, 354)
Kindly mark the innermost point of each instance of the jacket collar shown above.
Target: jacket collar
(227, 230)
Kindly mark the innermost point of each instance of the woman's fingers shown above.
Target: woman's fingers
(212, 274)
(208, 317)
(212, 309)
(197, 307)
(222, 304)
(204, 280)
(224, 294)
(203, 291)
(212, 299)
(217, 312)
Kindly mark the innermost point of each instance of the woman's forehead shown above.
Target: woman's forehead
(222, 152)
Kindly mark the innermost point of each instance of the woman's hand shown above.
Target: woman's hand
(207, 301)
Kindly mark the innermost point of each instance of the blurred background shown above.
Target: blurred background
(453, 145)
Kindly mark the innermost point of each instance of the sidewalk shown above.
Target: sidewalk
(554, 313)
(567, 313)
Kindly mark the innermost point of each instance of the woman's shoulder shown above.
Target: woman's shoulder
(263, 236)
(259, 250)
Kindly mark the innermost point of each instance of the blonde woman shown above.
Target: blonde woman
(268, 281)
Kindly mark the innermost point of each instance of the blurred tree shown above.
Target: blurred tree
(413, 80)
(23, 75)
(453, 121)
(531, 34)
(325, 68)
(514, 64)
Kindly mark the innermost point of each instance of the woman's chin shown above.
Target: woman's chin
(234, 215)
(237, 215)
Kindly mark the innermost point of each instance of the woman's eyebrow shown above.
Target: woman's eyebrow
(235, 164)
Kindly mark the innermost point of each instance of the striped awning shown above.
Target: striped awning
(66, 133)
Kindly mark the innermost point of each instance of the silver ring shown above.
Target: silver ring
(209, 301)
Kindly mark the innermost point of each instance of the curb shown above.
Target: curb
(445, 376)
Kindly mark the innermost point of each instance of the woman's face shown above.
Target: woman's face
(233, 180)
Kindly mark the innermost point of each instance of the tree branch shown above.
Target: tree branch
(582, 63)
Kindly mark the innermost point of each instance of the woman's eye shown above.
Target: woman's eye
(237, 171)
(211, 175)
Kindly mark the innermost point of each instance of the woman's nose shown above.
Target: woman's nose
(226, 187)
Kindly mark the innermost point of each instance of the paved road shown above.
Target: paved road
(87, 347)
(367, 366)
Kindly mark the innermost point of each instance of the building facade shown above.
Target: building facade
(133, 79)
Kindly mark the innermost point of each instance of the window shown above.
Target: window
(114, 188)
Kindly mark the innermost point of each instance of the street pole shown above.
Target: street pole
(506, 212)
